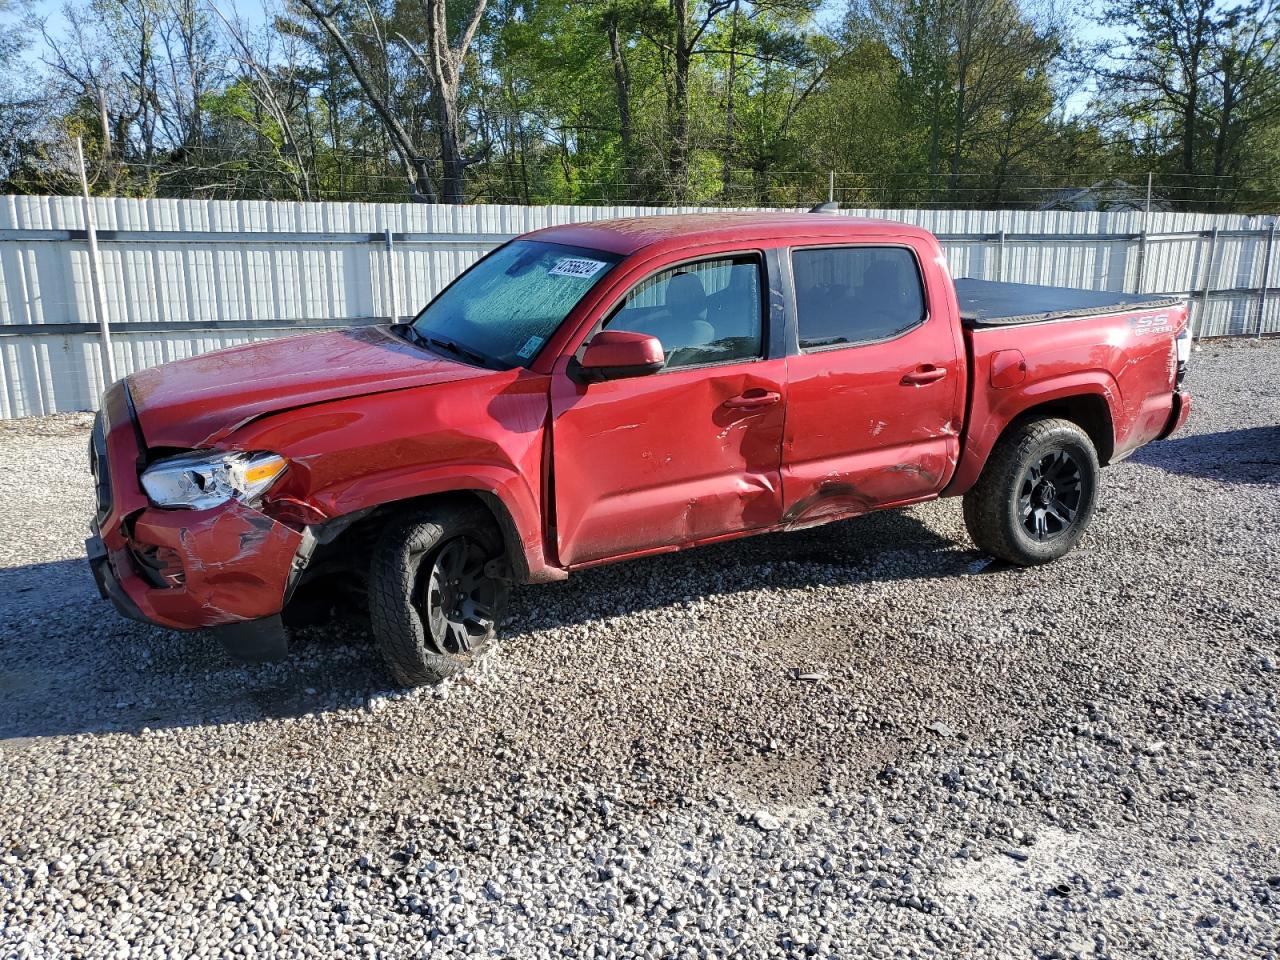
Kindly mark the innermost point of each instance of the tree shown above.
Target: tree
(861, 123)
(1244, 90)
(135, 74)
(273, 89)
(996, 50)
(443, 59)
(1162, 66)
(20, 102)
(416, 163)
(1204, 78)
(971, 70)
(614, 24)
(957, 102)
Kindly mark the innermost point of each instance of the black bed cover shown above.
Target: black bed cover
(987, 303)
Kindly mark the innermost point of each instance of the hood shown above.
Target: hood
(195, 402)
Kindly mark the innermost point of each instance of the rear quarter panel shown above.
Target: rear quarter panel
(1127, 359)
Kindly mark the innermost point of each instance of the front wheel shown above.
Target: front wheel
(1037, 493)
(434, 604)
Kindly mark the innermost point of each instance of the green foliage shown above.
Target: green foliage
(1193, 89)
(753, 102)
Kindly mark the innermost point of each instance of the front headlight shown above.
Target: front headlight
(200, 480)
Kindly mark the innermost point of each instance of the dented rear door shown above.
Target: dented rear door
(876, 381)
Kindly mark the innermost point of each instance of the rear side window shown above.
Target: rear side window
(855, 294)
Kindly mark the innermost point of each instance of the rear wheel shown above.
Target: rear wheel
(1037, 493)
(434, 599)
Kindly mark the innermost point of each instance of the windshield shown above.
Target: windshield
(501, 311)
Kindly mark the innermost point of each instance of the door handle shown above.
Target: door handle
(922, 375)
(752, 400)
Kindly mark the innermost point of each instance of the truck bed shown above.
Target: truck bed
(986, 303)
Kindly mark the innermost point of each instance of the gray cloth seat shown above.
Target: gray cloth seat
(680, 322)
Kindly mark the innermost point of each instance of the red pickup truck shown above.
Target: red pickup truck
(607, 390)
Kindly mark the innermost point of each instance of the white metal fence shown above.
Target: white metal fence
(180, 277)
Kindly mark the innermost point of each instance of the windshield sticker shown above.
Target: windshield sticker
(530, 347)
(579, 267)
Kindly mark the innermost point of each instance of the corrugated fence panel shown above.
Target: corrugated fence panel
(210, 274)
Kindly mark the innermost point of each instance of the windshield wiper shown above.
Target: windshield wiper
(406, 331)
(413, 336)
(451, 347)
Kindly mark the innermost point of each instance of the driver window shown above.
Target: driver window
(705, 312)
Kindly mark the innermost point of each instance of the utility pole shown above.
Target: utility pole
(95, 275)
(1266, 276)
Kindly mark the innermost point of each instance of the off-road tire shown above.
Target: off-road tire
(404, 554)
(992, 509)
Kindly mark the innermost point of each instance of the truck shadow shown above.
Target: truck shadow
(1251, 455)
(892, 545)
(70, 665)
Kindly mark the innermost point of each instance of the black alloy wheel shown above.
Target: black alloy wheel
(458, 602)
(1050, 495)
(1037, 492)
(437, 590)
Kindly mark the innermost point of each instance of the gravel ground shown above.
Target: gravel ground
(860, 740)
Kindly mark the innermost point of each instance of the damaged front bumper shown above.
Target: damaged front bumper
(183, 569)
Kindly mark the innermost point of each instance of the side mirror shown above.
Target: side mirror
(615, 354)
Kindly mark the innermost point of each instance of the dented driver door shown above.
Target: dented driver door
(686, 454)
(876, 381)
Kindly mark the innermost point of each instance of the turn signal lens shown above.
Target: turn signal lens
(260, 472)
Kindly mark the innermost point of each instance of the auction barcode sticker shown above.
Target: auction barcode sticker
(576, 267)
